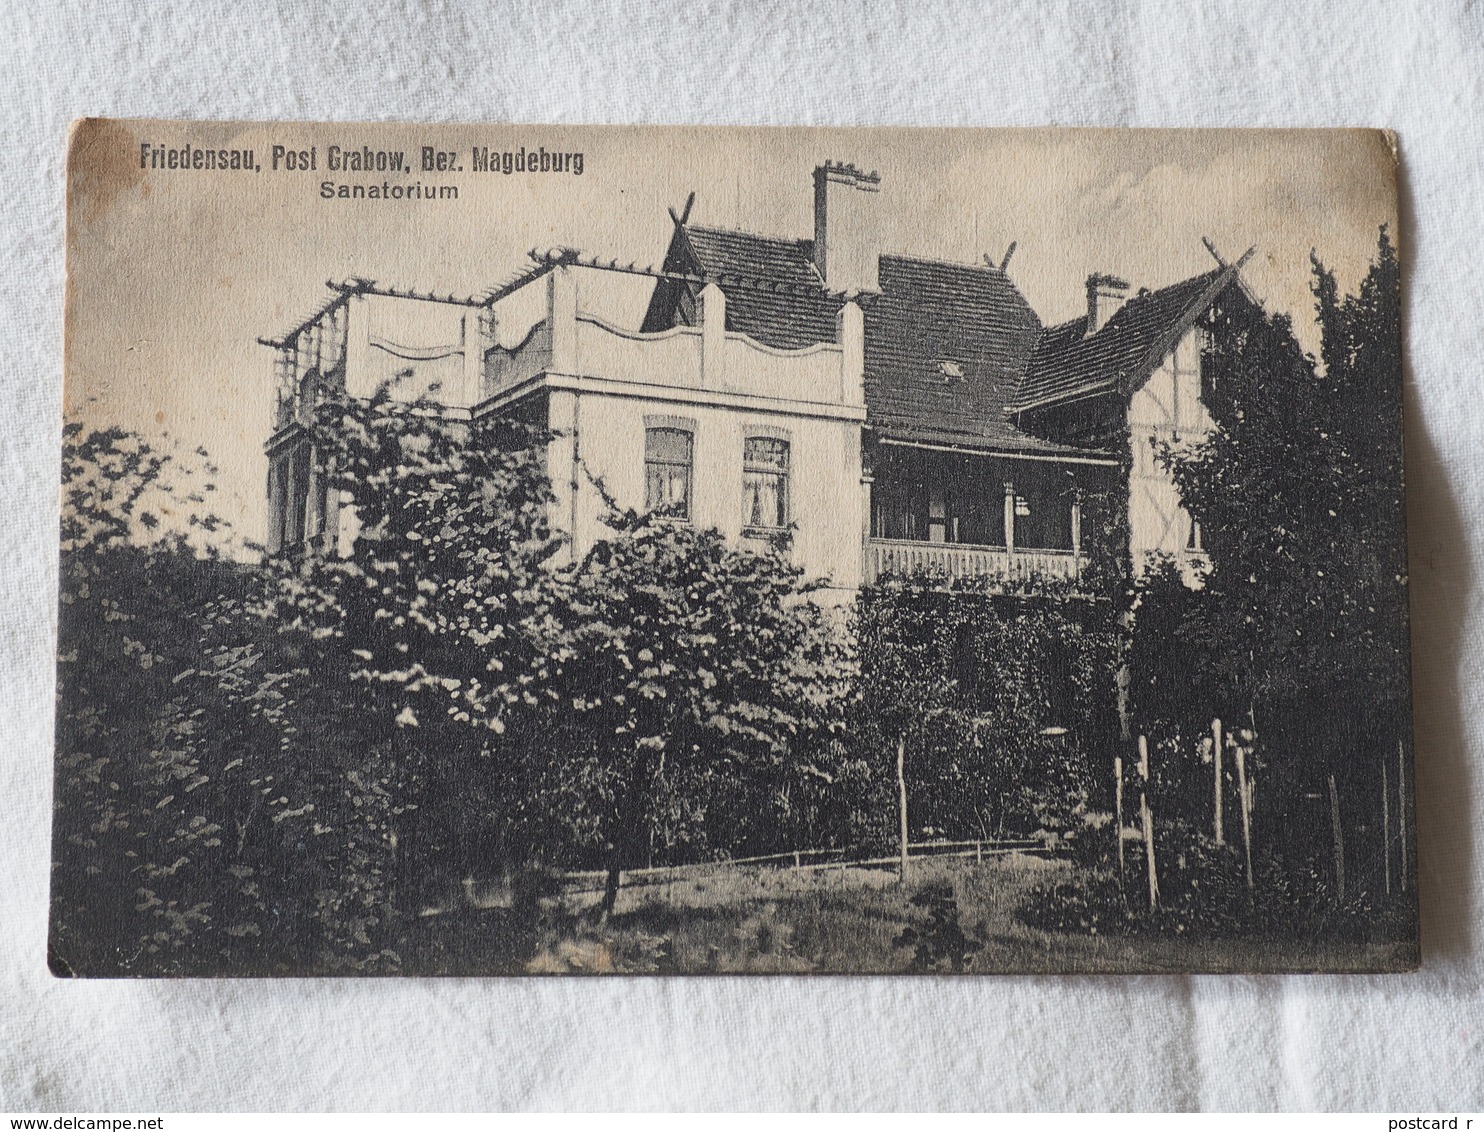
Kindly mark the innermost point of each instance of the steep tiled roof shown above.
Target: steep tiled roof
(799, 315)
(946, 343)
(952, 350)
(945, 347)
(1066, 365)
(762, 257)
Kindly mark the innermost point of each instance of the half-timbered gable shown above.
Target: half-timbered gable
(1128, 381)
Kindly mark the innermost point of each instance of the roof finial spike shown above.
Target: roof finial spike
(679, 218)
(1005, 262)
(1210, 247)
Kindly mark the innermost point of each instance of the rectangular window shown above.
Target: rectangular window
(667, 471)
(764, 482)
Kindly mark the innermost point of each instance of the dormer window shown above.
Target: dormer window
(952, 372)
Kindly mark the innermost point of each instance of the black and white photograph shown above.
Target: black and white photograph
(560, 550)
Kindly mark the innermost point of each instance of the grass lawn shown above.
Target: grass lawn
(731, 919)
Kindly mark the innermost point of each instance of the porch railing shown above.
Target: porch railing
(903, 557)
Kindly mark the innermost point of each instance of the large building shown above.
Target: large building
(898, 414)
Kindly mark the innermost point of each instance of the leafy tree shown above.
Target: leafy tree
(700, 675)
(443, 562)
(222, 797)
(118, 490)
(1298, 491)
(540, 711)
(152, 870)
(1362, 362)
(1300, 632)
(434, 602)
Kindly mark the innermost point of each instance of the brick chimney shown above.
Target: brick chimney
(1105, 294)
(846, 245)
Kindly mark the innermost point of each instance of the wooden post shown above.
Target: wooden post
(1121, 681)
(1334, 817)
(1216, 759)
(902, 798)
(1244, 796)
(1118, 811)
(1148, 822)
(293, 522)
(1009, 531)
(313, 515)
(1076, 538)
(1401, 807)
(1147, 815)
(1386, 825)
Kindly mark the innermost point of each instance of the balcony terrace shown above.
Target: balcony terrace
(887, 557)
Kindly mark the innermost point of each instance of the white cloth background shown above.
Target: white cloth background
(1414, 1041)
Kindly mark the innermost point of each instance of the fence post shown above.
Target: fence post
(1118, 812)
(1148, 820)
(1244, 796)
(1334, 817)
(1386, 824)
(1009, 532)
(1401, 807)
(1216, 760)
(902, 798)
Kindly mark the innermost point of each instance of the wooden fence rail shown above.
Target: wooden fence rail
(807, 860)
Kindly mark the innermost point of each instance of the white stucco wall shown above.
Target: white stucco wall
(1166, 410)
(421, 347)
(607, 384)
(602, 435)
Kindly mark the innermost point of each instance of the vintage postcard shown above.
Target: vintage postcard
(494, 549)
